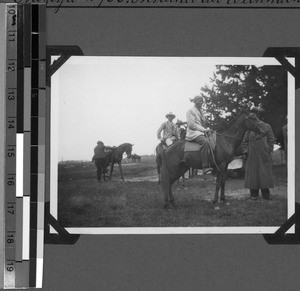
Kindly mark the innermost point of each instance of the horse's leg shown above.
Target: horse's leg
(218, 184)
(165, 183)
(222, 179)
(111, 170)
(158, 166)
(98, 165)
(120, 167)
(104, 171)
(223, 188)
(166, 188)
(171, 197)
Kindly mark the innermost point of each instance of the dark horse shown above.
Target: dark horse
(117, 155)
(226, 144)
(136, 158)
(161, 147)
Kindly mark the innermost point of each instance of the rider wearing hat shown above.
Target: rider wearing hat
(169, 129)
(196, 130)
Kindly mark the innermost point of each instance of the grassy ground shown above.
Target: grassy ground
(85, 202)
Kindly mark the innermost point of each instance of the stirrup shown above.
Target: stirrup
(207, 170)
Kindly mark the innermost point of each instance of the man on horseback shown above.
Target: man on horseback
(196, 131)
(169, 129)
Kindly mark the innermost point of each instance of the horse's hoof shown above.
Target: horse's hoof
(216, 208)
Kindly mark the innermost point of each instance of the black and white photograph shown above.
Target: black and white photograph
(172, 145)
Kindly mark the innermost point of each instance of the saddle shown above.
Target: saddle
(164, 145)
(190, 146)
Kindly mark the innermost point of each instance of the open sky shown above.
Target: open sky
(122, 99)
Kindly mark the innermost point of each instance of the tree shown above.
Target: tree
(233, 88)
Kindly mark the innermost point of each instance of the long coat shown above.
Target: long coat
(259, 173)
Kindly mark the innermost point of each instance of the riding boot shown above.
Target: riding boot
(206, 169)
(98, 175)
(266, 194)
(254, 194)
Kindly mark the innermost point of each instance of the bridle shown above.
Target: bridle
(237, 138)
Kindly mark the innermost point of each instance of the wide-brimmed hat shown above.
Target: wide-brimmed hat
(170, 114)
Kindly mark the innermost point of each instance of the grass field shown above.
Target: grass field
(138, 201)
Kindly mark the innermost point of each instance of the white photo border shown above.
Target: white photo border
(256, 61)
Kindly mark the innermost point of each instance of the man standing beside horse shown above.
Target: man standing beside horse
(257, 148)
(196, 131)
(101, 159)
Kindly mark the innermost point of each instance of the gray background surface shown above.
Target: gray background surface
(173, 262)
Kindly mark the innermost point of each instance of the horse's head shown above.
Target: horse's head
(128, 150)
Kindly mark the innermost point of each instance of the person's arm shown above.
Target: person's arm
(245, 143)
(191, 122)
(160, 130)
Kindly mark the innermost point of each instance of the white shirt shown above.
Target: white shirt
(169, 129)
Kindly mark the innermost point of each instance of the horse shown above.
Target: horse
(182, 126)
(135, 158)
(175, 162)
(103, 163)
(117, 155)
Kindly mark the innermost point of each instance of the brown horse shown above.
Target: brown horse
(226, 144)
(117, 155)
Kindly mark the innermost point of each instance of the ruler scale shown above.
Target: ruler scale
(41, 189)
(10, 161)
(24, 162)
(34, 146)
